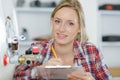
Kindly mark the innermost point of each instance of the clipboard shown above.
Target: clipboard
(56, 72)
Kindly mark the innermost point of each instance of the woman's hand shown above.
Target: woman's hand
(40, 71)
(53, 62)
(80, 75)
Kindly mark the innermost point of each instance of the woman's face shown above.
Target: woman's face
(65, 25)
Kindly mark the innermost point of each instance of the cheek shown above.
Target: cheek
(73, 33)
(75, 29)
(55, 28)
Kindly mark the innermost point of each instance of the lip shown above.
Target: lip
(61, 36)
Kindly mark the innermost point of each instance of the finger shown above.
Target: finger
(85, 76)
(88, 74)
(56, 59)
(79, 71)
(70, 77)
(75, 76)
(54, 62)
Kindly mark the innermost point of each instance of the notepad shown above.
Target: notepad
(57, 72)
(58, 66)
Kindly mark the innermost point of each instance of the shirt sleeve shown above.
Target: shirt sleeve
(24, 72)
(101, 72)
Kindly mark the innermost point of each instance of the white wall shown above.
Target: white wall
(112, 55)
(91, 19)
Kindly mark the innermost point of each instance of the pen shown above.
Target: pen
(54, 53)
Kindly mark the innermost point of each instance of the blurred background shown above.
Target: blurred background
(102, 19)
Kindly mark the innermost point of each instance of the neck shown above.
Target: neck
(64, 50)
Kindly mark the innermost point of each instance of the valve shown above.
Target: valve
(5, 60)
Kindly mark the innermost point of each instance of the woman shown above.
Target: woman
(69, 41)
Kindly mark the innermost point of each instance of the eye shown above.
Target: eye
(57, 21)
(71, 24)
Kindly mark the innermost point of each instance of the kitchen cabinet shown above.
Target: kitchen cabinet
(115, 71)
(109, 24)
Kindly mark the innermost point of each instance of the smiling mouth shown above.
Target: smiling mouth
(61, 36)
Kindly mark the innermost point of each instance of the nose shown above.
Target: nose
(62, 28)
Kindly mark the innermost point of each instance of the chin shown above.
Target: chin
(62, 42)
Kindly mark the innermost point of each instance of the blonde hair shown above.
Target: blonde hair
(74, 4)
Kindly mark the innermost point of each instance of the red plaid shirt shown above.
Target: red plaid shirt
(87, 56)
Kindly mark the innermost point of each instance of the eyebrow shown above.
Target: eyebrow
(61, 19)
(57, 18)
